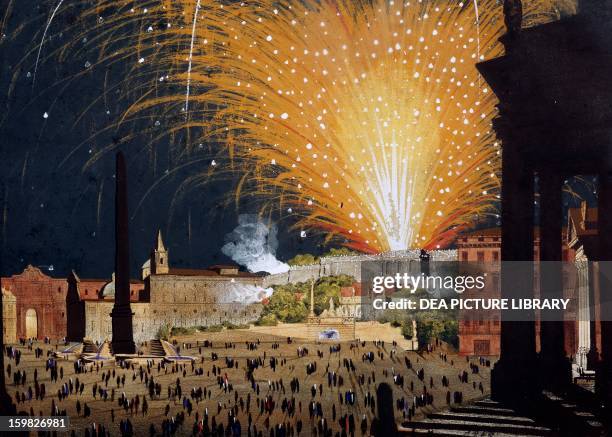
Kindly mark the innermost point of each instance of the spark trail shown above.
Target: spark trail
(365, 119)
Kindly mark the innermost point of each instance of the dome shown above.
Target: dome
(109, 289)
(147, 264)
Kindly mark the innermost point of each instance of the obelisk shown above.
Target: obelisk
(123, 335)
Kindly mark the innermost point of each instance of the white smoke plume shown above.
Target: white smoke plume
(248, 294)
(253, 244)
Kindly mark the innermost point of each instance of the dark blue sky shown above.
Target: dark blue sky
(53, 210)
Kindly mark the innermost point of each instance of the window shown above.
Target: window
(496, 255)
(480, 256)
(480, 238)
(464, 255)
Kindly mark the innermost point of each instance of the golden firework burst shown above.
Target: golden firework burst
(367, 119)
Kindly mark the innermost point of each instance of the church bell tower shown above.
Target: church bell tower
(159, 257)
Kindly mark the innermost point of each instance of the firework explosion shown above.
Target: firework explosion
(365, 119)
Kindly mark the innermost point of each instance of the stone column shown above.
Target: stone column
(312, 313)
(514, 376)
(594, 309)
(123, 335)
(555, 368)
(584, 313)
(604, 233)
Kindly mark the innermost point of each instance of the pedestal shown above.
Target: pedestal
(344, 325)
(514, 382)
(123, 338)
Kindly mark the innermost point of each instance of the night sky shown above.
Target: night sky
(54, 211)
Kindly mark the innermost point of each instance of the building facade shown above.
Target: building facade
(480, 335)
(165, 297)
(40, 303)
(351, 300)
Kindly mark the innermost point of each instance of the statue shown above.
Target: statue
(414, 342)
(331, 305)
(312, 313)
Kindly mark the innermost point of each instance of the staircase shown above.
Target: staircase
(89, 347)
(577, 414)
(156, 348)
(484, 417)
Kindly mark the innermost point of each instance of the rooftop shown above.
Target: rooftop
(214, 271)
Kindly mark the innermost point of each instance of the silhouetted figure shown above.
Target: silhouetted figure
(424, 257)
(384, 422)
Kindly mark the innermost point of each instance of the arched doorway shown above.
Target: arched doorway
(31, 323)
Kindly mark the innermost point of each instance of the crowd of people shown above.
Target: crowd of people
(233, 389)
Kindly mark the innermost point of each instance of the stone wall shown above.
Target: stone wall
(391, 262)
(175, 289)
(193, 315)
(99, 325)
(148, 319)
(187, 301)
(9, 317)
(176, 301)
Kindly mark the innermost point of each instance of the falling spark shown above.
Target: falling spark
(193, 33)
(44, 35)
(364, 119)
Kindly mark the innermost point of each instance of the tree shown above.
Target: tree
(325, 289)
(302, 259)
(407, 328)
(437, 324)
(342, 251)
(267, 320)
(285, 307)
(428, 327)
(450, 333)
